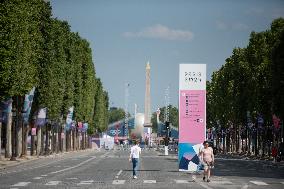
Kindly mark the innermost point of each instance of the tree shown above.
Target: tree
(173, 117)
(116, 114)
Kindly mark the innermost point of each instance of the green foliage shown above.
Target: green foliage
(21, 39)
(173, 117)
(116, 114)
(101, 108)
(250, 80)
(38, 50)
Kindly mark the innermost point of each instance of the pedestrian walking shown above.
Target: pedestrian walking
(135, 153)
(207, 157)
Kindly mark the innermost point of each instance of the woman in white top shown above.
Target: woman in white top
(134, 157)
(207, 157)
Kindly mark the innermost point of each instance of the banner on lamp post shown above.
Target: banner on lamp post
(41, 117)
(6, 107)
(28, 105)
(192, 114)
(69, 118)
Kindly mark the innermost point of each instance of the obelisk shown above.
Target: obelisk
(147, 113)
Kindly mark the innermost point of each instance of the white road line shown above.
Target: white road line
(22, 184)
(260, 183)
(37, 178)
(69, 168)
(44, 175)
(282, 182)
(85, 182)
(245, 186)
(71, 178)
(149, 181)
(52, 183)
(221, 182)
(118, 182)
(119, 173)
(182, 181)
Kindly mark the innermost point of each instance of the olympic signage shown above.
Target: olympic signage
(192, 114)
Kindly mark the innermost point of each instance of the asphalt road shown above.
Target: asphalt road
(111, 169)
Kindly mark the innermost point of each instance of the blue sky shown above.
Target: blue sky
(125, 34)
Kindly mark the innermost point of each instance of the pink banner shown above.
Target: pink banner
(192, 116)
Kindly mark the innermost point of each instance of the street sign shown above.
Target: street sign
(192, 114)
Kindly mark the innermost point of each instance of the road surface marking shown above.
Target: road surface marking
(37, 178)
(22, 184)
(71, 178)
(119, 173)
(44, 175)
(260, 183)
(85, 182)
(52, 183)
(69, 168)
(245, 186)
(221, 182)
(149, 181)
(118, 182)
(182, 181)
(282, 182)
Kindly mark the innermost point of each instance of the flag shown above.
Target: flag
(6, 107)
(276, 121)
(85, 127)
(28, 105)
(41, 117)
(69, 118)
(80, 126)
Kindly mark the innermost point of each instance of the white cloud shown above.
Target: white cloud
(231, 26)
(161, 32)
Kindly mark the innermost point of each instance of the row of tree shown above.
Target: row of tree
(40, 51)
(246, 95)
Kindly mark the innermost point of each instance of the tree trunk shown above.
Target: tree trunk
(8, 145)
(20, 136)
(46, 140)
(240, 140)
(32, 141)
(0, 136)
(24, 140)
(38, 143)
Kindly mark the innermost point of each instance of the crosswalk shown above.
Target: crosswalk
(121, 182)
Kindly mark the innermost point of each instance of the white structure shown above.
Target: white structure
(138, 130)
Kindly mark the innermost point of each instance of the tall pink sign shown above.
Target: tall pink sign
(192, 114)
